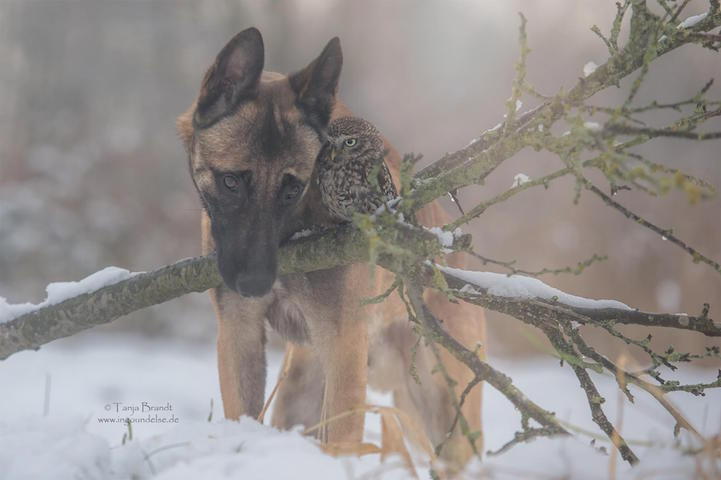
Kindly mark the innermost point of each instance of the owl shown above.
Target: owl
(352, 175)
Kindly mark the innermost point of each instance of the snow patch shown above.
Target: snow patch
(589, 68)
(593, 126)
(52, 447)
(302, 234)
(59, 447)
(59, 291)
(445, 238)
(389, 206)
(520, 286)
(498, 125)
(70, 443)
(520, 179)
(692, 21)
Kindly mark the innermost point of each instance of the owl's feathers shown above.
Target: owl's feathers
(352, 175)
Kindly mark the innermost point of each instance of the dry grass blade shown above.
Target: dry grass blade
(334, 418)
(397, 427)
(413, 431)
(392, 441)
(281, 377)
(660, 396)
(350, 448)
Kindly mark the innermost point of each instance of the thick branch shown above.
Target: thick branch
(340, 247)
(31, 330)
(36, 328)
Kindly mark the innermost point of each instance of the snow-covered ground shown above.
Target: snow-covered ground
(81, 382)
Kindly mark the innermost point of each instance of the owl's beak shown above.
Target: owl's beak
(333, 152)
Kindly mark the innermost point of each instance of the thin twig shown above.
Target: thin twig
(665, 234)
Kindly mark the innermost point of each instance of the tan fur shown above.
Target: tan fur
(345, 337)
(390, 357)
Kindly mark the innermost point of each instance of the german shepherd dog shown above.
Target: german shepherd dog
(252, 139)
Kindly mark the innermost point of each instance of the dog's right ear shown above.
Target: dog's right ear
(233, 77)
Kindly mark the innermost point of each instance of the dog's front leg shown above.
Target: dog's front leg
(344, 357)
(241, 352)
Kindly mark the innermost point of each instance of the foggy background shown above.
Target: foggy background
(92, 173)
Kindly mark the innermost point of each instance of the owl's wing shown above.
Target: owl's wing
(385, 183)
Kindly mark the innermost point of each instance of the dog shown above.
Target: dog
(252, 139)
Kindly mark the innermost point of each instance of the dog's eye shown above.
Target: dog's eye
(231, 182)
(291, 192)
(350, 142)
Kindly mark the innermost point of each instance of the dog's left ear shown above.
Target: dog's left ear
(316, 85)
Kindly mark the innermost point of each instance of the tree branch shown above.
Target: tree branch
(36, 328)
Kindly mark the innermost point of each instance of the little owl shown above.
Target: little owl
(352, 174)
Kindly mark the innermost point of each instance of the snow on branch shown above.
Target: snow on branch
(522, 287)
(505, 293)
(95, 302)
(60, 291)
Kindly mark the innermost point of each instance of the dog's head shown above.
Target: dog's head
(253, 138)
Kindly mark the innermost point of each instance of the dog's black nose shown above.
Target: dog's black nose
(254, 285)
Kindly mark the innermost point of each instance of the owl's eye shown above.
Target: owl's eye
(350, 142)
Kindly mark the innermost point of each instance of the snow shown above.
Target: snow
(593, 126)
(302, 234)
(520, 286)
(59, 447)
(445, 238)
(91, 370)
(519, 105)
(493, 129)
(692, 21)
(473, 140)
(519, 179)
(390, 207)
(73, 443)
(589, 68)
(60, 291)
